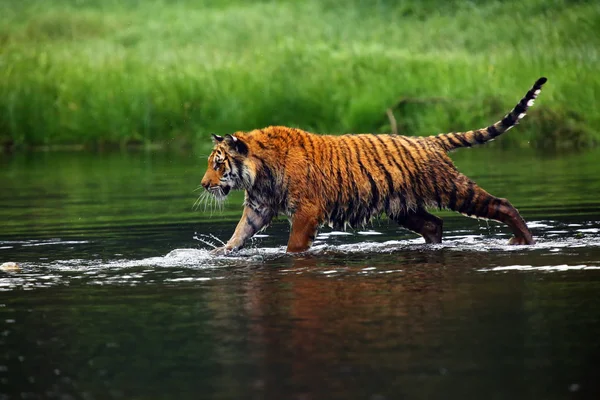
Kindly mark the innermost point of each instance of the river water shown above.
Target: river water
(118, 297)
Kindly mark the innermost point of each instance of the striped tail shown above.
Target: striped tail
(451, 141)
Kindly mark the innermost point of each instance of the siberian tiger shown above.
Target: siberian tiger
(350, 179)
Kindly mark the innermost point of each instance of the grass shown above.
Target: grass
(112, 73)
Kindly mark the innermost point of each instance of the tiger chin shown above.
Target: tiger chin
(347, 180)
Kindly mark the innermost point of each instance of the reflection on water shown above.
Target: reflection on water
(118, 296)
(407, 323)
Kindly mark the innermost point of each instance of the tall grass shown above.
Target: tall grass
(100, 72)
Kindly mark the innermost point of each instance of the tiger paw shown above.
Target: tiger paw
(221, 251)
(521, 241)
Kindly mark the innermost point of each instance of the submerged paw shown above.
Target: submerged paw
(221, 251)
(521, 241)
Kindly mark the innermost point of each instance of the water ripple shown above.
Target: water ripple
(561, 247)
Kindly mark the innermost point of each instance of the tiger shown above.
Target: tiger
(347, 180)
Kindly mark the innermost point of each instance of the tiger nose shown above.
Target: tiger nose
(206, 184)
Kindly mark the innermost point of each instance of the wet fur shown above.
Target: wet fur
(350, 179)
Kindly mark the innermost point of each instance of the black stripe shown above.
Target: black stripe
(252, 225)
(452, 199)
(334, 212)
(509, 120)
(266, 171)
(436, 190)
(391, 159)
(405, 152)
(406, 172)
(436, 163)
(479, 138)
(405, 146)
(374, 190)
(495, 203)
(260, 144)
(414, 179)
(472, 209)
(352, 180)
(269, 173)
(463, 139)
(227, 164)
(309, 155)
(453, 140)
(239, 165)
(492, 131)
(283, 163)
(335, 163)
(466, 204)
(522, 106)
(483, 207)
(301, 144)
(328, 159)
(309, 158)
(389, 156)
(388, 176)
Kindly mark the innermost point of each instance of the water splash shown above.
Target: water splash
(558, 243)
(209, 240)
(549, 268)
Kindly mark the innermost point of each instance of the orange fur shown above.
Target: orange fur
(349, 179)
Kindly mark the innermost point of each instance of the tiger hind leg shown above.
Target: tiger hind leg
(476, 202)
(425, 224)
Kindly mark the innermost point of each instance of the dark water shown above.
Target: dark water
(117, 296)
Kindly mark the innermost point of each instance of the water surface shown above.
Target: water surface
(118, 297)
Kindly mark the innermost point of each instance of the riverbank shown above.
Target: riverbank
(96, 73)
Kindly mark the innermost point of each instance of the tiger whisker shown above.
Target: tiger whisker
(200, 200)
(196, 203)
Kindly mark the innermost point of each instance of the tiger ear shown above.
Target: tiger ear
(217, 138)
(237, 144)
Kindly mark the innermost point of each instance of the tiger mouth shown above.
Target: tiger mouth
(220, 192)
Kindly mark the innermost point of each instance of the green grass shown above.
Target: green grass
(101, 72)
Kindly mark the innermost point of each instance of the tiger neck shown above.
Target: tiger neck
(268, 190)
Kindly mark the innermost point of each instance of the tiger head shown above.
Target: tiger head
(226, 166)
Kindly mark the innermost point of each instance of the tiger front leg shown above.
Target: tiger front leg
(251, 222)
(304, 229)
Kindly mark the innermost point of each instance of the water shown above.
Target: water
(117, 296)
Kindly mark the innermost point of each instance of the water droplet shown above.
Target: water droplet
(574, 387)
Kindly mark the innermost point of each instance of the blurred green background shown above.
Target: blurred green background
(115, 73)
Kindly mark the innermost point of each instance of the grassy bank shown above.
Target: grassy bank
(101, 72)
